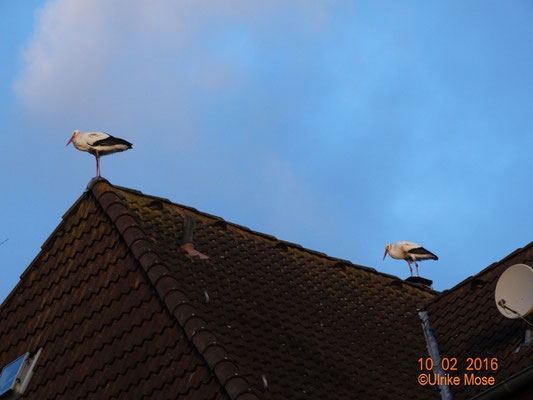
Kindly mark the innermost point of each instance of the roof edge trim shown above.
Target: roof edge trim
(512, 385)
(167, 287)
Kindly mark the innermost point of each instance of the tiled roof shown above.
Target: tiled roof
(120, 308)
(467, 324)
(105, 334)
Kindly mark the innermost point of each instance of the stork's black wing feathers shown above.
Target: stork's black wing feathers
(110, 141)
(421, 250)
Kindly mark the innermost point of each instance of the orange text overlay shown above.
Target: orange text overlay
(467, 379)
(473, 364)
(474, 373)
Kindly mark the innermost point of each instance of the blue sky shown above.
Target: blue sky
(338, 125)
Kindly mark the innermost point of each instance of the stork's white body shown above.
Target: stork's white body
(410, 252)
(98, 144)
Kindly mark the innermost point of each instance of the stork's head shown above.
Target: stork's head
(75, 134)
(387, 248)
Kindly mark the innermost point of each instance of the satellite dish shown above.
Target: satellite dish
(514, 291)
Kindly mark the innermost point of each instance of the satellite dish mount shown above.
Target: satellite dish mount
(514, 296)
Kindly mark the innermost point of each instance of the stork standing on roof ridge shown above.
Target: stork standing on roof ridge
(410, 252)
(98, 144)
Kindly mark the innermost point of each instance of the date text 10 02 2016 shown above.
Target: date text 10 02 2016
(450, 364)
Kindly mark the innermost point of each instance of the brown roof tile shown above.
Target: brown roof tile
(120, 308)
(315, 326)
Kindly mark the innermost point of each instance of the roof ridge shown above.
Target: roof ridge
(167, 287)
(293, 245)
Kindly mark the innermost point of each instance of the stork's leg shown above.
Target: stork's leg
(410, 268)
(98, 165)
(416, 265)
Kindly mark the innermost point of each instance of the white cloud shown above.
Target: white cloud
(88, 59)
(199, 87)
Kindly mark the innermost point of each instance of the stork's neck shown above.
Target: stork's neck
(395, 252)
(80, 143)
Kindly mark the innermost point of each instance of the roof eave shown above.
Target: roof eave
(512, 385)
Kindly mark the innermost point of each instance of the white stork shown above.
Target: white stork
(98, 144)
(410, 252)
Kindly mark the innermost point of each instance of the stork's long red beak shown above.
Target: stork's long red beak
(70, 140)
(386, 252)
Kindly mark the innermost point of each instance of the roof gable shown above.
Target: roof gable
(103, 330)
